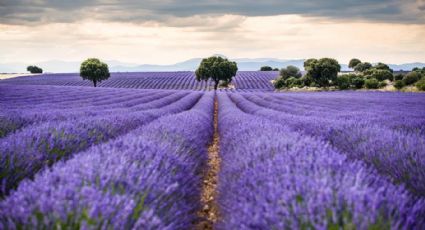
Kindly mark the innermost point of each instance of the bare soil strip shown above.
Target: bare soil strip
(209, 213)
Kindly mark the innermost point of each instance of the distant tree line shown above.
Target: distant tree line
(268, 68)
(324, 73)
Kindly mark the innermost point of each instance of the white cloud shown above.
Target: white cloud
(285, 36)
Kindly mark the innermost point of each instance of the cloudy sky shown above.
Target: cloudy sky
(169, 31)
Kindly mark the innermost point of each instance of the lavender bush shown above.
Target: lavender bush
(26, 152)
(124, 184)
(393, 153)
(274, 178)
(244, 80)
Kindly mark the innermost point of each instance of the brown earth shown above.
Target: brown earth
(209, 213)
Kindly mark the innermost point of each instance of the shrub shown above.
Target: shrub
(411, 78)
(343, 82)
(290, 71)
(371, 83)
(421, 84)
(279, 83)
(379, 74)
(398, 84)
(307, 81)
(382, 84)
(398, 77)
(357, 82)
(293, 82)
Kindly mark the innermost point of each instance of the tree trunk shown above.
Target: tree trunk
(94, 83)
(215, 85)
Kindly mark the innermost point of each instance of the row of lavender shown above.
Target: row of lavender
(124, 182)
(68, 120)
(244, 80)
(303, 161)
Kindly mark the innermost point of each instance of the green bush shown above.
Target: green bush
(398, 77)
(371, 83)
(357, 82)
(343, 82)
(279, 83)
(398, 84)
(382, 84)
(293, 82)
(379, 74)
(421, 84)
(411, 78)
(307, 81)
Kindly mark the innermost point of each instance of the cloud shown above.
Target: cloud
(172, 12)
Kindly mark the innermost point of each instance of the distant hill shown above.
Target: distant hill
(244, 64)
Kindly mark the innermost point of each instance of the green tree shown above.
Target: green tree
(34, 69)
(94, 70)
(322, 71)
(353, 62)
(372, 83)
(380, 74)
(343, 82)
(411, 77)
(383, 66)
(266, 68)
(398, 84)
(290, 71)
(361, 67)
(217, 69)
(357, 82)
(421, 84)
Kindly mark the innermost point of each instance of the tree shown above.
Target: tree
(371, 83)
(357, 82)
(361, 67)
(322, 71)
(34, 69)
(411, 77)
(353, 62)
(380, 74)
(343, 82)
(421, 84)
(216, 68)
(266, 68)
(290, 71)
(94, 70)
(383, 66)
(398, 84)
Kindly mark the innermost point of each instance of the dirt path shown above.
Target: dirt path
(209, 212)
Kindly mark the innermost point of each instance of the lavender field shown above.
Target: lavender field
(114, 157)
(184, 80)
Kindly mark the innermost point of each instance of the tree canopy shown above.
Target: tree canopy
(217, 69)
(290, 71)
(94, 70)
(34, 69)
(322, 71)
(383, 66)
(363, 66)
(353, 62)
